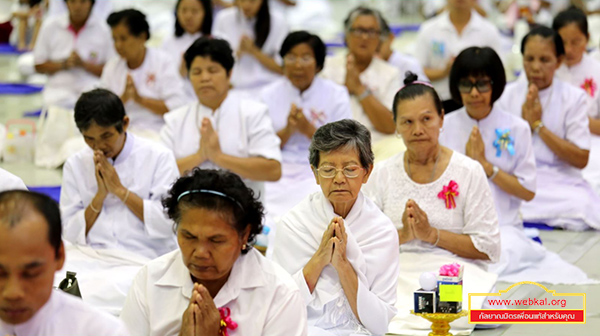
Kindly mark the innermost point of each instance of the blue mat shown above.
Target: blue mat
(396, 30)
(539, 226)
(32, 114)
(7, 49)
(53, 192)
(19, 88)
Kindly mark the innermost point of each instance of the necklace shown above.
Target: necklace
(432, 172)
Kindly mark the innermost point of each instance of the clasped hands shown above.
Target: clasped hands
(201, 318)
(107, 177)
(332, 249)
(532, 108)
(210, 148)
(415, 225)
(130, 91)
(297, 122)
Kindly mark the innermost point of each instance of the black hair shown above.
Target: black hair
(217, 49)
(262, 27)
(571, 15)
(412, 90)
(206, 26)
(299, 37)
(134, 20)
(546, 33)
(241, 208)
(478, 62)
(38, 1)
(16, 204)
(101, 107)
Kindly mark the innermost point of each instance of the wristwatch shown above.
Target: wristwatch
(364, 95)
(495, 171)
(537, 126)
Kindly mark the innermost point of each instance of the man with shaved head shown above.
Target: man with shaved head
(31, 251)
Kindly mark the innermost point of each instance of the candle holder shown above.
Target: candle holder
(440, 322)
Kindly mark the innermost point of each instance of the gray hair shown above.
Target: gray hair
(361, 10)
(341, 134)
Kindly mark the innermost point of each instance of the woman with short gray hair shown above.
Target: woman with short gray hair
(327, 241)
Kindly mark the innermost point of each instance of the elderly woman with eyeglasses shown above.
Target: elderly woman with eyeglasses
(339, 247)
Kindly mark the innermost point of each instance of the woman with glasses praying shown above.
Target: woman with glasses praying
(501, 143)
(439, 201)
(339, 247)
(371, 81)
(215, 283)
(558, 116)
(299, 103)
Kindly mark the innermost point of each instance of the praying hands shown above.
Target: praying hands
(415, 225)
(532, 109)
(201, 318)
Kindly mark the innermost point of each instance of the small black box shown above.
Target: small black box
(449, 307)
(425, 301)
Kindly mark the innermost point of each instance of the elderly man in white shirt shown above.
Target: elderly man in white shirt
(111, 193)
(9, 181)
(31, 251)
(443, 37)
(72, 50)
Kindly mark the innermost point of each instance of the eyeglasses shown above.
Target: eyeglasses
(304, 60)
(482, 85)
(331, 172)
(370, 33)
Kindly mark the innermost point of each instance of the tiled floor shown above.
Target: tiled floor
(582, 249)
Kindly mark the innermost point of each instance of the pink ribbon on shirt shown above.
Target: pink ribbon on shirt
(226, 321)
(448, 193)
(451, 270)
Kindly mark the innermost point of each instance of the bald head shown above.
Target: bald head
(18, 205)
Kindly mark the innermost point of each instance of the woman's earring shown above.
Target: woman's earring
(398, 134)
(244, 247)
(441, 130)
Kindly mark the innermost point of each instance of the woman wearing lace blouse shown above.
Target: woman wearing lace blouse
(439, 200)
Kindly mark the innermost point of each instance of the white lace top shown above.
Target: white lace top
(390, 188)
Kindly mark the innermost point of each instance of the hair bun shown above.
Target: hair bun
(410, 77)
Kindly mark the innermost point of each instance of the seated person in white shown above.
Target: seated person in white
(31, 251)
(111, 191)
(400, 60)
(255, 35)
(216, 283)
(72, 49)
(145, 79)
(501, 143)
(222, 129)
(583, 71)
(339, 247)
(299, 103)
(443, 37)
(193, 19)
(101, 9)
(9, 181)
(438, 199)
(371, 81)
(557, 114)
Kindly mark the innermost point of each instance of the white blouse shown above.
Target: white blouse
(9, 181)
(381, 78)
(243, 126)
(406, 63)
(262, 297)
(156, 78)
(390, 188)
(371, 249)
(176, 47)
(520, 163)
(585, 75)
(146, 169)
(248, 73)
(65, 314)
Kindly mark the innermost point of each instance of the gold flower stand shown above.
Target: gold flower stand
(440, 322)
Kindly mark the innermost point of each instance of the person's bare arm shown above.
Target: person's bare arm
(564, 149)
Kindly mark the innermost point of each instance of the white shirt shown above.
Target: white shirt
(9, 181)
(243, 126)
(248, 73)
(101, 8)
(65, 314)
(390, 188)
(147, 170)
(176, 47)
(381, 78)
(156, 78)
(438, 41)
(521, 164)
(406, 63)
(585, 75)
(323, 102)
(262, 297)
(55, 43)
(563, 198)
(371, 249)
